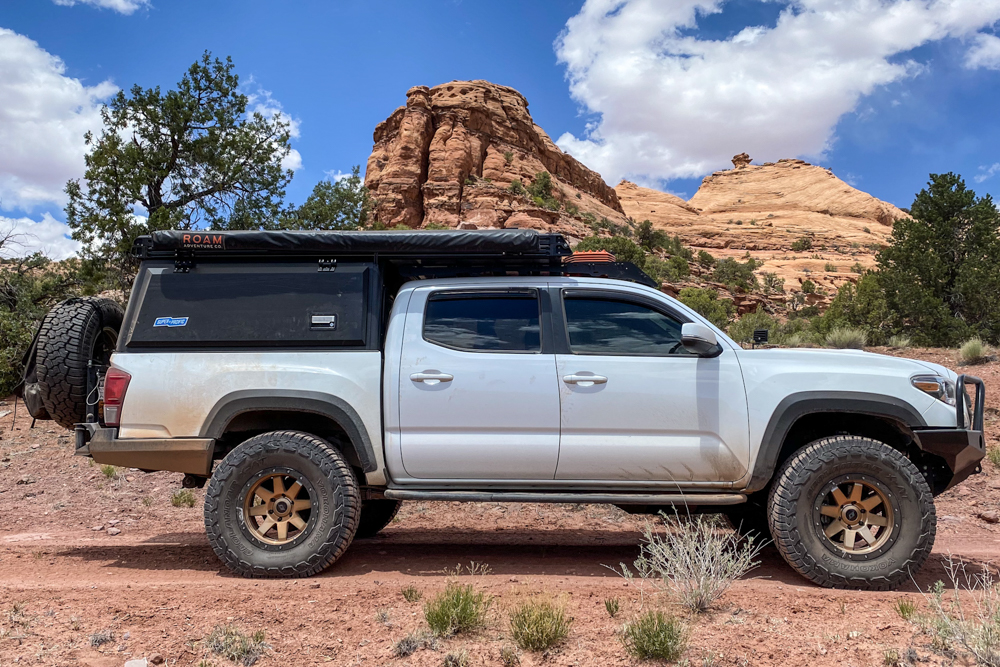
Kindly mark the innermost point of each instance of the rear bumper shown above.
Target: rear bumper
(961, 448)
(187, 455)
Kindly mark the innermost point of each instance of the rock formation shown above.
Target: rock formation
(764, 209)
(449, 156)
(741, 160)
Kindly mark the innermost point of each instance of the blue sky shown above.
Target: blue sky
(660, 91)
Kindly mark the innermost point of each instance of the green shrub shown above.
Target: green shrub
(906, 608)
(993, 454)
(612, 605)
(846, 338)
(802, 244)
(705, 259)
(509, 656)
(772, 283)
(655, 636)
(458, 608)
(742, 329)
(508, 156)
(830, 267)
(183, 498)
(706, 303)
(540, 191)
(799, 339)
(650, 238)
(230, 642)
(857, 268)
(974, 351)
(667, 271)
(109, 471)
(459, 659)
(411, 594)
(808, 287)
(969, 620)
(537, 625)
(622, 248)
(736, 274)
(517, 187)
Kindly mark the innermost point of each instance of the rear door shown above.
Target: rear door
(636, 406)
(478, 397)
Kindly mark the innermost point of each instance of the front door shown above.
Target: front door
(477, 397)
(636, 406)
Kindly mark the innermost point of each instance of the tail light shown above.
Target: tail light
(115, 384)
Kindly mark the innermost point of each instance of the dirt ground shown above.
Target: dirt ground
(81, 553)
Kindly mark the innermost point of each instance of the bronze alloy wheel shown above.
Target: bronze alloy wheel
(277, 507)
(856, 516)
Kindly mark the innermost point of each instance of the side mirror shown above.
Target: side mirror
(699, 339)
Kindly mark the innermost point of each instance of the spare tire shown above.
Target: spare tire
(72, 334)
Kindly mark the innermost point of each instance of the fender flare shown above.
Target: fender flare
(795, 406)
(314, 402)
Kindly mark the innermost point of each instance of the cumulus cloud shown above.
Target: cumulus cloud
(43, 117)
(123, 6)
(986, 173)
(673, 105)
(261, 101)
(985, 52)
(25, 236)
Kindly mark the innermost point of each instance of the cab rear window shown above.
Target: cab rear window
(484, 321)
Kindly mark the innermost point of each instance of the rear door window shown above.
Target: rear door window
(484, 321)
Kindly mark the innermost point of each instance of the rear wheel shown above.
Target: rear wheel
(73, 333)
(850, 512)
(282, 504)
(376, 515)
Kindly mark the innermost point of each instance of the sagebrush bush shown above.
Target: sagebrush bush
(693, 559)
(798, 339)
(537, 625)
(655, 636)
(974, 351)
(846, 338)
(899, 341)
(973, 627)
(411, 594)
(232, 643)
(458, 608)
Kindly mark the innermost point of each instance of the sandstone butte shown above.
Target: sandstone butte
(448, 157)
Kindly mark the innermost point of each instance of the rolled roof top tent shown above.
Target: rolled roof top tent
(410, 255)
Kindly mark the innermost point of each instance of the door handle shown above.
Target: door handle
(584, 380)
(430, 377)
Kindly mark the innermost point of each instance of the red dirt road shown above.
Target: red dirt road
(159, 588)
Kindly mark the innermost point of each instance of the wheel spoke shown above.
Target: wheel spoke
(297, 521)
(293, 490)
(877, 520)
(300, 505)
(282, 530)
(267, 525)
(871, 503)
(279, 485)
(839, 496)
(263, 493)
(867, 534)
(830, 510)
(258, 510)
(856, 492)
(834, 528)
(849, 538)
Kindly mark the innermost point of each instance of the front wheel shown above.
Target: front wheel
(851, 512)
(282, 504)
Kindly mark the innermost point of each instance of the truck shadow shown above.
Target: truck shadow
(429, 553)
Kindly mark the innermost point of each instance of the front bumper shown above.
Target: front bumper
(188, 455)
(961, 448)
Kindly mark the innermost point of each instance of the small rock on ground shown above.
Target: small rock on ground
(114, 531)
(990, 517)
(138, 662)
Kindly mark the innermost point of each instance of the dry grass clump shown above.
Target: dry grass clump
(846, 338)
(458, 608)
(655, 636)
(693, 559)
(232, 643)
(537, 625)
(899, 341)
(974, 351)
(183, 498)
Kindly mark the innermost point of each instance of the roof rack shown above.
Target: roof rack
(444, 253)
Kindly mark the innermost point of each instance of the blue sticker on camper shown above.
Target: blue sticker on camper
(170, 322)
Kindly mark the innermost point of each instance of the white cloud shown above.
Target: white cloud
(43, 117)
(337, 176)
(260, 101)
(123, 6)
(985, 52)
(986, 173)
(48, 236)
(672, 105)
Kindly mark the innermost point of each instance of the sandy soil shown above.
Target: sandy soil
(158, 587)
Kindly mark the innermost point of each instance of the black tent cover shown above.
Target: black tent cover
(512, 241)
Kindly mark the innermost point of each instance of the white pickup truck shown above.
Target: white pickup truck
(316, 380)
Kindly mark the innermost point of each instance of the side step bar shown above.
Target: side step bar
(541, 497)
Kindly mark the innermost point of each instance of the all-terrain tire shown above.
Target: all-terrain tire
(805, 484)
(376, 514)
(333, 516)
(749, 519)
(72, 333)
